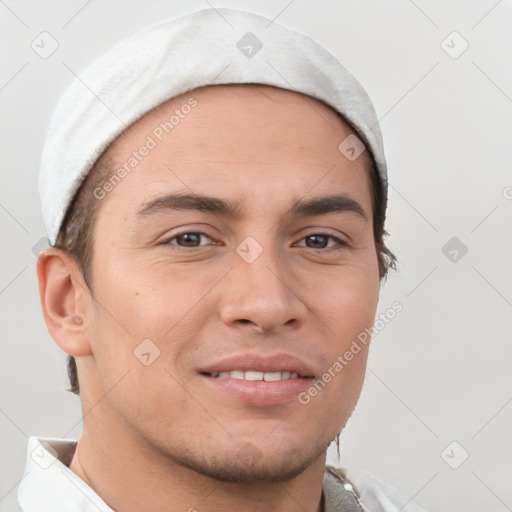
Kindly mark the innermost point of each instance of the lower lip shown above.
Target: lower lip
(260, 392)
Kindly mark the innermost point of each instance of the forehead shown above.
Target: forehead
(256, 109)
(234, 139)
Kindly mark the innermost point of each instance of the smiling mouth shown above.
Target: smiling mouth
(257, 381)
(255, 375)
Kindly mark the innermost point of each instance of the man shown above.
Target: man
(215, 197)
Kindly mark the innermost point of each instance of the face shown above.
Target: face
(245, 297)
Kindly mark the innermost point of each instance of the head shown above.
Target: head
(138, 271)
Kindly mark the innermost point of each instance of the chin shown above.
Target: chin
(250, 465)
(240, 472)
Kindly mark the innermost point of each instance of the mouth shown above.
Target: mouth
(253, 375)
(253, 366)
(258, 381)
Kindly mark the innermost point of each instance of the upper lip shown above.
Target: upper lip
(260, 363)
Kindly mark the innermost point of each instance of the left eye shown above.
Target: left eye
(192, 239)
(189, 239)
(320, 241)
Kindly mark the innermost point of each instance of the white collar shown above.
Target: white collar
(49, 485)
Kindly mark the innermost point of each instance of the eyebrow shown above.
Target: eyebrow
(337, 203)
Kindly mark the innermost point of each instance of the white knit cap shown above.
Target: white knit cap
(207, 47)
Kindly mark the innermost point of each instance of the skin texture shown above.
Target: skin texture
(159, 437)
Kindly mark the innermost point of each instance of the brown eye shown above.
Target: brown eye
(317, 241)
(321, 241)
(190, 239)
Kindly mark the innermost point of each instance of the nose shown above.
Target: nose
(262, 295)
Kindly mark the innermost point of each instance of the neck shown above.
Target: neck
(130, 475)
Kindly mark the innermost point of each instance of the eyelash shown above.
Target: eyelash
(341, 244)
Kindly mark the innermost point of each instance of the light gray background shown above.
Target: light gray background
(440, 371)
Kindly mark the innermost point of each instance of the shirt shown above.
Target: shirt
(50, 486)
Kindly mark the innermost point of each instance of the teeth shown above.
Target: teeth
(272, 376)
(252, 375)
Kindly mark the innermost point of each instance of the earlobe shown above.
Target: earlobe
(63, 299)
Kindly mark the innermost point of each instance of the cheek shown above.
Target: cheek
(347, 307)
(348, 311)
(138, 300)
(159, 303)
(347, 299)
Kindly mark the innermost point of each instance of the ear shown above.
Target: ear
(64, 296)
